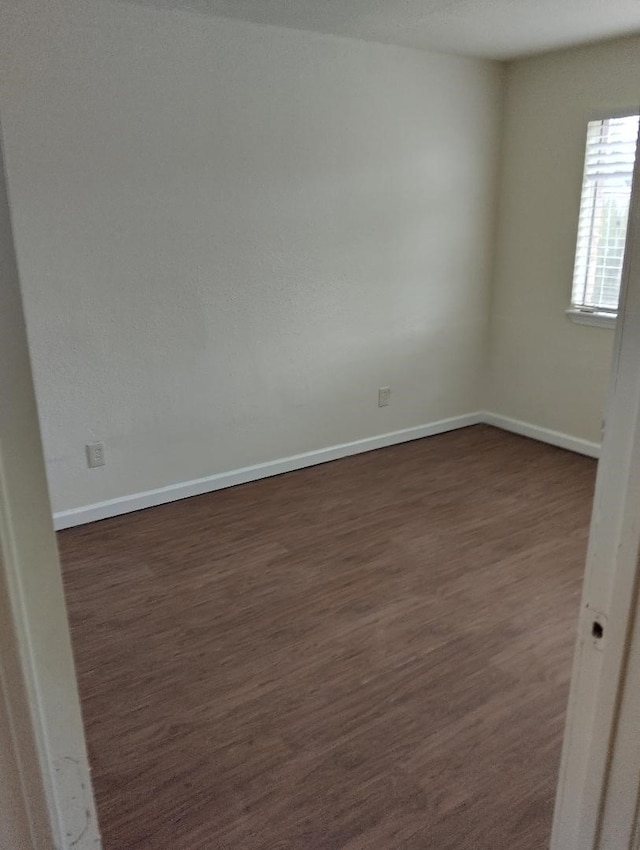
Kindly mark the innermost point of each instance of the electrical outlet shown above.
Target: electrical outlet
(384, 396)
(95, 455)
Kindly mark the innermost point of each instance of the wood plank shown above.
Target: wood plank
(372, 653)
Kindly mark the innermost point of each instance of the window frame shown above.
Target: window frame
(584, 315)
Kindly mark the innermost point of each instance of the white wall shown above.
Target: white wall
(544, 369)
(231, 235)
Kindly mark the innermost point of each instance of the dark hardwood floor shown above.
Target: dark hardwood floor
(372, 653)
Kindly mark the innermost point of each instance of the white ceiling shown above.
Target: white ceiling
(498, 29)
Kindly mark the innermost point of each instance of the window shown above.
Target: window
(604, 210)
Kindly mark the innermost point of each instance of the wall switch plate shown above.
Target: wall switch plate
(384, 396)
(95, 455)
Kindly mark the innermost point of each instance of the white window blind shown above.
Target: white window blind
(604, 210)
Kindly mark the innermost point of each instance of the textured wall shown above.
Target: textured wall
(545, 369)
(231, 235)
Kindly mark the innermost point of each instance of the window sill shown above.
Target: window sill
(598, 320)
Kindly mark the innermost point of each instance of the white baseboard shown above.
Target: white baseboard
(173, 492)
(544, 435)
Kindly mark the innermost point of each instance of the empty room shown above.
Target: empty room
(321, 302)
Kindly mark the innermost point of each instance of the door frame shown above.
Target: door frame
(585, 808)
(47, 798)
(40, 719)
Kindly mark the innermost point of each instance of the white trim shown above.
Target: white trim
(592, 317)
(198, 486)
(545, 435)
(40, 718)
(599, 784)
